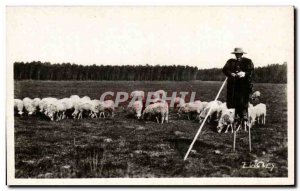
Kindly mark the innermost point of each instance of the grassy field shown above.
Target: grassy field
(127, 147)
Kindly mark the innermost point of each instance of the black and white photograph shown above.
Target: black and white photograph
(150, 95)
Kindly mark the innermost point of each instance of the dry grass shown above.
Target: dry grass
(127, 147)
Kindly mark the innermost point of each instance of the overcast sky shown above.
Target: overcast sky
(195, 36)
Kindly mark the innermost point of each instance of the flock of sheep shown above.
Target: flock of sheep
(157, 107)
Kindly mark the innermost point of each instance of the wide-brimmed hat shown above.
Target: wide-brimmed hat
(238, 51)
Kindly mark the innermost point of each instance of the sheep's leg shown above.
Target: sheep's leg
(157, 119)
(238, 127)
(264, 119)
(112, 114)
(197, 116)
(162, 119)
(243, 123)
(231, 128)
(74, 114)
(167, 117)
(91, 114)
(188, 115)
(57, 117)
(227, 129)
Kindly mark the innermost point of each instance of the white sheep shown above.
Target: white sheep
(108, 106)
(56, 109)
(45, 102)
(80, 105)
(96, 107)
(68, 104)
(156, 109)
(28, 105)
(36, 102)
(83, 105)
(191, 107)
(226, 119)
(214, 106)
(137, 108)
(18, 106)
(258, 113)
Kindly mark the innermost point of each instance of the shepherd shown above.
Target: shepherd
(239, 87)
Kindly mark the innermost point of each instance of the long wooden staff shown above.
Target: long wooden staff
(203, 122)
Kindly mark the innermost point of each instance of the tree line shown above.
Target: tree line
(36, 70)
(273, 73)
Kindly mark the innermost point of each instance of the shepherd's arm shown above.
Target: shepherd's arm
(226, 69)
(250, 69)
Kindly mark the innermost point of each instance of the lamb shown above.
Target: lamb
(96, 106)
(80, 105)
(84, 104)
(45, 102)
(137, 108)
(155, 109)
(192, 107)
(226, 119)
(18, 106)
(215, 109)
(140, 95)
(36, 102)
(258, 112)
(56, 108)
(68, 106)
(28, 105)
(108, 106)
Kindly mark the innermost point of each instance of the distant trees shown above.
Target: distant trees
(37, 70)
(274, 73)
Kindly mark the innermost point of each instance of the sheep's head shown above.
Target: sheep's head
(224, 121)
(221, 125)
(51, 115)
(31, 110)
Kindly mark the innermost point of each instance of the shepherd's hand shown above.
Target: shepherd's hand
(241, 74)
(233, 74)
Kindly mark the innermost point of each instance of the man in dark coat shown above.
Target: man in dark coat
(239, 86)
